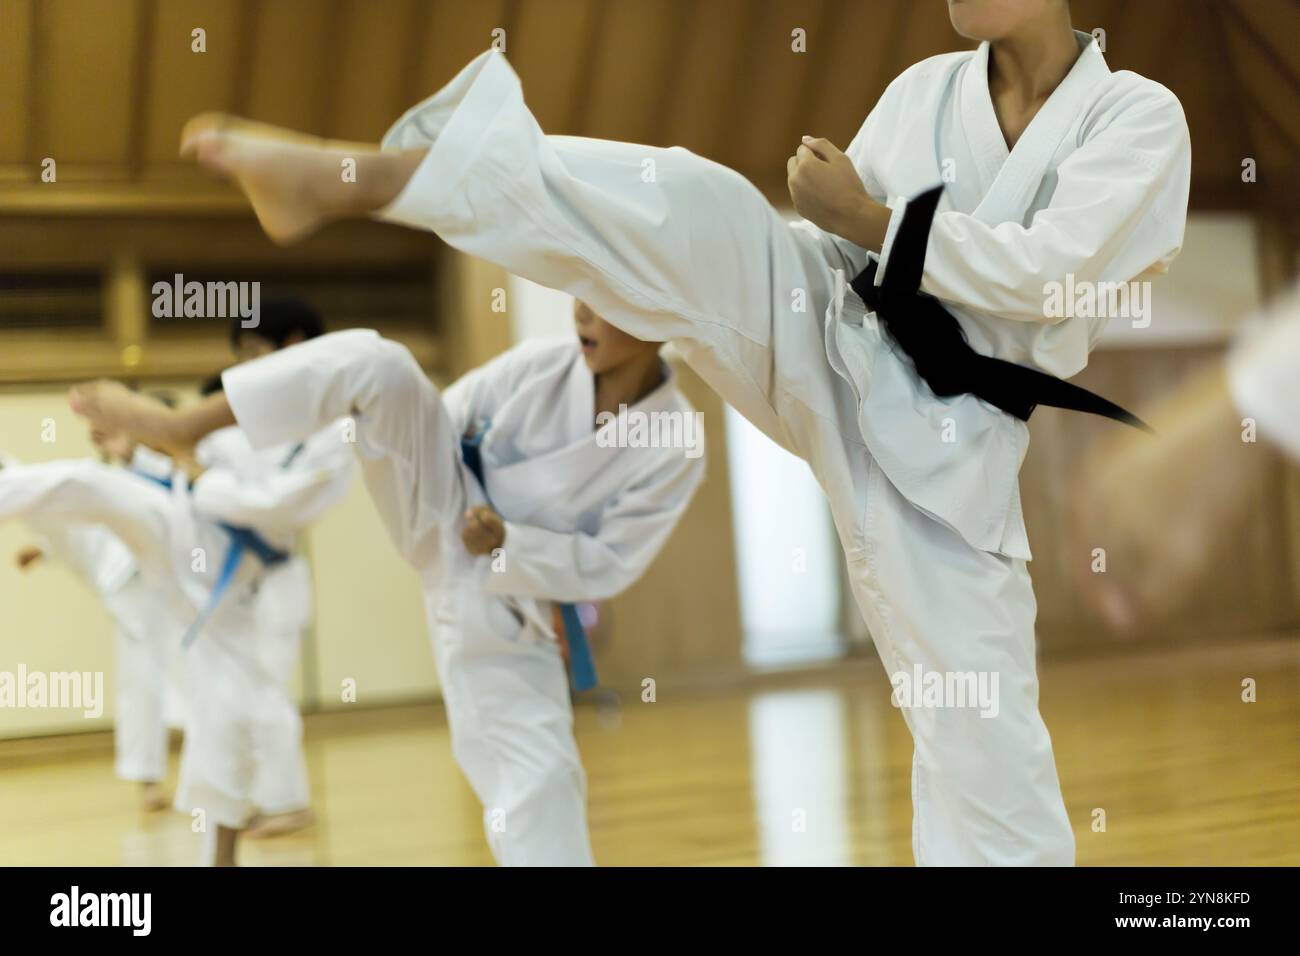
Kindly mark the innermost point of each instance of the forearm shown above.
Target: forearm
(550, 565)
(202, 418)
(863, 222)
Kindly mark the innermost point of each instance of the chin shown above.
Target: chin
(979, 19)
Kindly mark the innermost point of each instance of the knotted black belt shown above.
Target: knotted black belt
(936, 344)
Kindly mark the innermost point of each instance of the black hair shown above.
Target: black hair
(211, 385)
(279, 319)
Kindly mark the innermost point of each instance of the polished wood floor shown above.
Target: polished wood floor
(1185, 771)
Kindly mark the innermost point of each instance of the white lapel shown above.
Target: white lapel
(570, 465)
(580, 394)
(979, 121)
(1015, 183)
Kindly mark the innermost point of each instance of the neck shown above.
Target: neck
(628, 383)
(1034, 61)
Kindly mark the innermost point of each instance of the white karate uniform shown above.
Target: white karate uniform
(243, 734)
(582, 520)
(931, 528)
(244, 739)
(148, 622)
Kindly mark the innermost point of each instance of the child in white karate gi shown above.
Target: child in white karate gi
(567, 511)
(1057, 173)
(243, 744)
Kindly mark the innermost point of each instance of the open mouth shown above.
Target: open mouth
(588, 345)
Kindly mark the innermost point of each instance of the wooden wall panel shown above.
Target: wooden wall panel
(552, 46)
(627, 86)
(86, 74)
(293, 63)
(454, 33)
(774, 81)
(701, 114)
(16, 19)
(183, 82)
(373, 68)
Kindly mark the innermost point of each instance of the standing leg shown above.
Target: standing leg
(139, 730)
(217, 762)
(280, 788)
(985, 788)
(507, 697)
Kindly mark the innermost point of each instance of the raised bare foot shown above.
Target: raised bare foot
(280, 824)
(293, 181)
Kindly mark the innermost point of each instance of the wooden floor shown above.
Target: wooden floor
(1185, 771)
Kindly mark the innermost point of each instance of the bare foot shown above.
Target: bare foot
(111, 407)
(152, 797)
(280, 824)
(293, 181)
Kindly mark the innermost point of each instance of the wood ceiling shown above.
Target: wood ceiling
(103, 86)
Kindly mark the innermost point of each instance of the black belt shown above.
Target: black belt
(936, 344)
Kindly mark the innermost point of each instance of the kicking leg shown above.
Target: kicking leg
(83, 491)
(408, 445)
(660, 242)
(295, 182)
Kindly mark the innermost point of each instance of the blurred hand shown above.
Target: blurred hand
(184, 459)
(28, 556)
(118, 446)
(484, 530)
(1156, 505)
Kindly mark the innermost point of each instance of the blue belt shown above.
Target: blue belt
(242, 540)
(582, 667)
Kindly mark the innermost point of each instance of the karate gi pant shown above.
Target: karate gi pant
(243, 746)
(667, 245)
(139, 720)
(243, 734)
(503, 678)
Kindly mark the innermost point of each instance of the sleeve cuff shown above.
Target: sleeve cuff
(897, 206)
(451, 123)
(511, 579)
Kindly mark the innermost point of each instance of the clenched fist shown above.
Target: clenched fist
(484, 530)
(824, 186)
